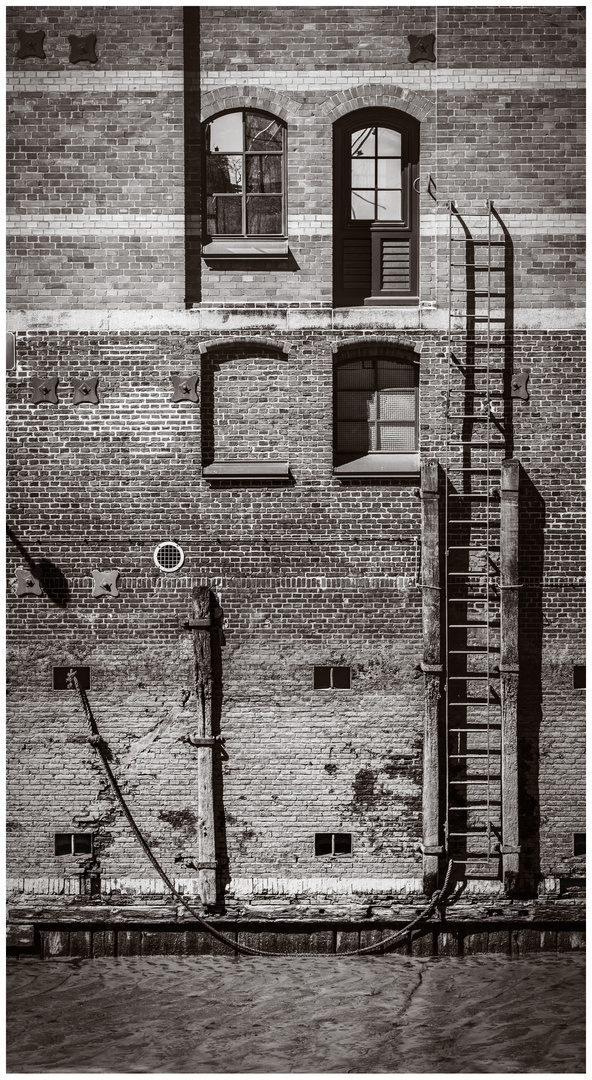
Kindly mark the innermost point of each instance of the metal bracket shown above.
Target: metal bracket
(31, 44)
(518, 385)
(197, 741)
(206, 866)
(201, 624)
(85, 390)
(422, 48)
(27, 584)
(44, 390)
(427, 850)
(82, 48)
(185, 387)
(105, 582)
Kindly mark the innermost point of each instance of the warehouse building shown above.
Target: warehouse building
(295, 446)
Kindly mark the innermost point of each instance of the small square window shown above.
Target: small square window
(73, 843)
(60, 677)
(336, 678)
(333, 844)
(579, 843)
(579, 677)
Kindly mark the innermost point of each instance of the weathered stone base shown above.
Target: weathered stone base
(509, 928)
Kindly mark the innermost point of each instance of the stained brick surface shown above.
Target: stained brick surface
(104, 220)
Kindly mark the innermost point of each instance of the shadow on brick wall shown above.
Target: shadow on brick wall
(530, 643)
(50, 576)
(192, 125)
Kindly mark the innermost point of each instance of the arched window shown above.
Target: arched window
(376, 208)
(245, 184)
(376, 417)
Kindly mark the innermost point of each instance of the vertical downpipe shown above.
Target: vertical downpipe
(432, 668)
(204, 742)
(509, 673)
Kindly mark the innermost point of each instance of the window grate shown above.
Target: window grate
(169, 556)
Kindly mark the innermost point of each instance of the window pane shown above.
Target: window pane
(389, 142)
(264, 172)
(362, 173)
(82, 844)
(341, 678)
(363, 142)
(352, 405)
(355, 376)
(323, 843)
(263, 133)
(362, 205)
(227, 215)
(63, 843)
(322, 678)
(342, 843)
(389, 172)
(224, 173)
(226, 134)
(389, 206)
(390, 373)
(352, 436)
(396, 405)
(396, 437)
(264, 215)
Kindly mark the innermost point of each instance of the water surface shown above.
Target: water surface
(217, 1014)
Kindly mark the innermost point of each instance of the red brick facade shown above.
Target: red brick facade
(107, 281)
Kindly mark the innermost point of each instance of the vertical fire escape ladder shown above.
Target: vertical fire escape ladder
(475, 449)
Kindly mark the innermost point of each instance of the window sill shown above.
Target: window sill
(247, 470)
(391, 301)
(379, 465)
(236, 248)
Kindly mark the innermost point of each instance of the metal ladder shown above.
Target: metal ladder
(475, 449)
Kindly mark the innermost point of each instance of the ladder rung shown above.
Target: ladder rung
(489, 702)
(477, 650)
(477, 292)
(475, 727)
(486, 318)
(482, 676)
(477, 754)
(468, 625)
(475, 806)
(473, 547)
(472, 416)
(473, 832)
(475, 783)
(473, 240)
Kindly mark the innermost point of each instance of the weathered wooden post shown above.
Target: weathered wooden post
(432, 669)
(201, 624)
(509, 672)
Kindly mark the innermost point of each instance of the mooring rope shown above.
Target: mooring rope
(96, 740)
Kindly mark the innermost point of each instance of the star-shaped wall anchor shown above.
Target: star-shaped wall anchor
(82, 48)
(422, 48)
(27, 584)
(85, 390)
(105, 582)
(185, 387)
(44, 390)
(31, 44)
(519, 385)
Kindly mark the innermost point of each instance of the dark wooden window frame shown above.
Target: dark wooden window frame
(370, 288)
(243, 244)
(386, 462)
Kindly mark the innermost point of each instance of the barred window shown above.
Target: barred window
(376, 409)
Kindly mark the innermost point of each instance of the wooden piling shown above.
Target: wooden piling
(432, 669)
(201, 625)
(509, 583)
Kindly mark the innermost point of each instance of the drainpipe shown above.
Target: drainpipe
(509, 673)
(431, 846)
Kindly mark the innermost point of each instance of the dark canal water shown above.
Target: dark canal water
(388, 1014)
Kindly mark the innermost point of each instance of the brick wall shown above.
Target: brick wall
(103, 226)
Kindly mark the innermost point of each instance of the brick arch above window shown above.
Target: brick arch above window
(249, 97)
(375, 96)
(255, 345)
(358, 348)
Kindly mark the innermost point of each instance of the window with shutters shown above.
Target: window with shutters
(245, 185)
(376, 418)
(376, 208)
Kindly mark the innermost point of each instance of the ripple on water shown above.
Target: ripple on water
(297, 1014)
